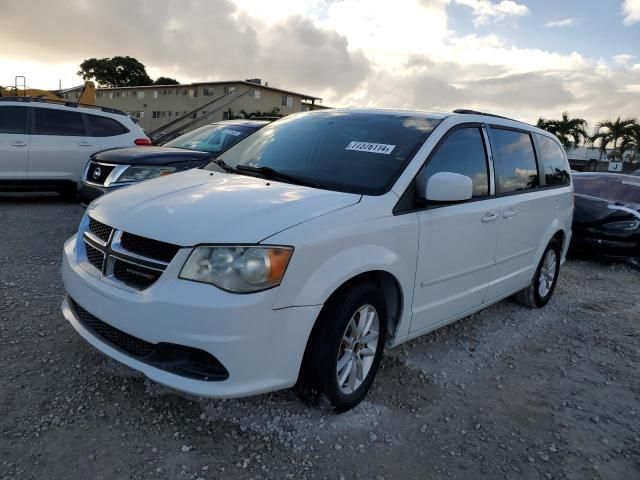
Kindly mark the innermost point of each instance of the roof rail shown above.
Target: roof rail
(476, 112)
(63, 103)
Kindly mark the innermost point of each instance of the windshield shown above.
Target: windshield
(356, 152)
(212, 138)
(608, 187)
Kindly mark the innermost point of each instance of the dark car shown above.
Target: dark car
(115, 168)
(636, 173)
(606, 219)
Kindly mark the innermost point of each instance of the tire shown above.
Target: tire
(539, 292)
(331, 356)
(69, 194)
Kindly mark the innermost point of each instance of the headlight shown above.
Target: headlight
(237, 269)
(138, 174)
(626, 225)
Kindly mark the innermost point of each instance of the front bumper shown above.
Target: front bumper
(261, 348)
(605, 247)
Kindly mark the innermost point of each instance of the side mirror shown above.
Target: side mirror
(445, 187)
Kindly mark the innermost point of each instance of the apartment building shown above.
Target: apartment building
(156, 105)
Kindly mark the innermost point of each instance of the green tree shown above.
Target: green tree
(611, 132)
(632, 141)
(570, 131)
(166, 81)
(115, 72)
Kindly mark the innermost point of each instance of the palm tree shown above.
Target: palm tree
(632, 140)
(611, 132)
(570, 131)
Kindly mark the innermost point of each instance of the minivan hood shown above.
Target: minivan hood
(199, 206)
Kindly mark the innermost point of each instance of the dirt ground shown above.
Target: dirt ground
(508, 393)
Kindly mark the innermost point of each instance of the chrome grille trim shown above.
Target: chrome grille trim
(113, 252)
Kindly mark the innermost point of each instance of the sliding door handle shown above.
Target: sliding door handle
(510, 214)
(489, 217)
(19, 144)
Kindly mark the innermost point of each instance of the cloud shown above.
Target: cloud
(631, 10)
(486, 11)
(567, 22)
(350, 52)
(188, 40)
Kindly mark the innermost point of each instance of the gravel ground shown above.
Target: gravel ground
(508, 393)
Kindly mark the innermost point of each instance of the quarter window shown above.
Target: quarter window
(462, 152)
(58, 122)
(106, 127)
(554, 161)
(13, 120)
(514, 161)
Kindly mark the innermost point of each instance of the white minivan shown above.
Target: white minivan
(301, 252)
(45, 145)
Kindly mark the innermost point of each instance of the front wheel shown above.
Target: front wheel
(345, 350)
(539, 292)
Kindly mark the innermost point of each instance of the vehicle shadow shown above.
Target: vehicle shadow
(25, 198)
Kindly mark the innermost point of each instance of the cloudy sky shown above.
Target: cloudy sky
(523, 58)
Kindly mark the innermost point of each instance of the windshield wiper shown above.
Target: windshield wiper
(270, 173)
(224, 165)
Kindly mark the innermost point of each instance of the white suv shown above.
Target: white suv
(45, 145)
(303, 250)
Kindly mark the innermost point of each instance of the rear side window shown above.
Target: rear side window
(105, 126)
(13, 120)
(514, 161)
(462, 152)
(554, 161)
(58, 122)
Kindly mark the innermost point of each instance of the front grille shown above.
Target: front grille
(98, 173)
(135, 275)
(181, 360)
(100, 230)
(117, 338)
(95, 256)
(147, 247)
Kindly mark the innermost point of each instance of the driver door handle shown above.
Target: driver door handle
(19, 144)
(510, 214)
(489, 217)
(85, 144)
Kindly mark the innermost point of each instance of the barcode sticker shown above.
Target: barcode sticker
(381, 148)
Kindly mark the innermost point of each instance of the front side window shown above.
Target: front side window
(352, 152)
(13, 120)
(107, 127)
(58, 122)
(462, 152)
(554, 161)
(211, 138)
(514, 161)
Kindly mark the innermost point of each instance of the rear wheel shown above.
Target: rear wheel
(345, 350)
(539, 292)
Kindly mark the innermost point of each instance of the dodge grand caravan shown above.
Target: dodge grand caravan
(301, 252)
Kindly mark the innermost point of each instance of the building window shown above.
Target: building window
(192, 92)
(225, 115)
(207, 91)
(117, 94)
(159, 114)
(256, 93)
(177, 114)
(287, 101)
(140, 95)
(155, 94)
(98, 94)
(229, 89)
(111, 95)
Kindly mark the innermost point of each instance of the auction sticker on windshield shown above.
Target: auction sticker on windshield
(382, 148)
